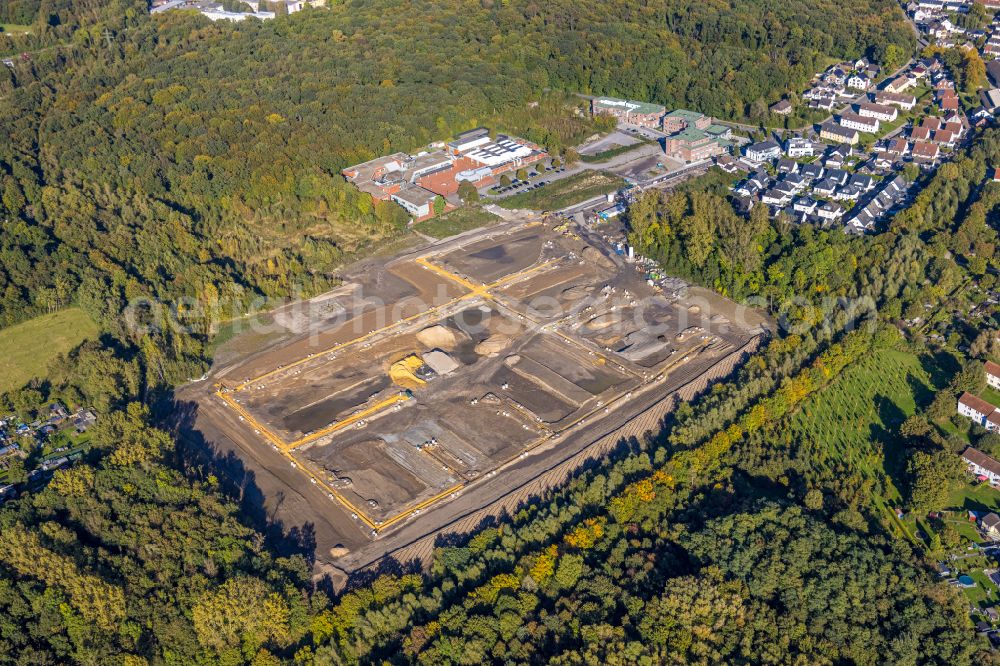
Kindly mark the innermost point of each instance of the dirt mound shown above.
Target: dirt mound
(339, 551)
(603, 321)
(593, 255)
(438, 336)
(493, 345)
(512, 360)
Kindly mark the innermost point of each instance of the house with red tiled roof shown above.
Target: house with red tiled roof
(993, 369)
(980, 411)
(944, 138)
(925, 152)
(931, 122)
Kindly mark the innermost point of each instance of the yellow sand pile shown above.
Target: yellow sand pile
(403, 372)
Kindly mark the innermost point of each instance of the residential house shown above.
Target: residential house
(883, 112)
(990, 526)
(787, 166)
(860, 123)
(838, 134)
(955, 127)
(898, 148)
(811, 171)
(794, 180)
(979, 411)
(830, 211)
(858, 82)
(948, 103)
(932, 123)
(981, 116)
(805, 206)
(944, 138)
(839, 176)
(824, 102)
(862, 181)
(900, 84)
(992, 374)
(837, 157)
(775, 197)
(924, 151)
(764, 151)
(904, 102)
(748, 188)
(847, 193)
(782, 108)
(825, 187)
(787, 187)
(798, 147)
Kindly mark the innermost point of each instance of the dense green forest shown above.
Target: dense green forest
(199, 161)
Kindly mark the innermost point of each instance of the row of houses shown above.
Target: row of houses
(818, 192)
(843, 80)
(263, 10)
(889, 196)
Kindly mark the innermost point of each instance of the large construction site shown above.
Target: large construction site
(447, 367)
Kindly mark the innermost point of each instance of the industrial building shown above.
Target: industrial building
(472, 156)
(644, 114)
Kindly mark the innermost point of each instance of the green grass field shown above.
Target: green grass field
(29, 347)
(457, 221)
(854, 418)
(979, 497)
(990, 395)
(566, 192)
(13, 29)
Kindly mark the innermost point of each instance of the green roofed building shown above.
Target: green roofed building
(644, 114)
(692, 144)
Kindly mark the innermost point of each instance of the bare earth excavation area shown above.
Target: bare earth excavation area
(448, 367)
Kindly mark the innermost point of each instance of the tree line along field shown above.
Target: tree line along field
(30, 346)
